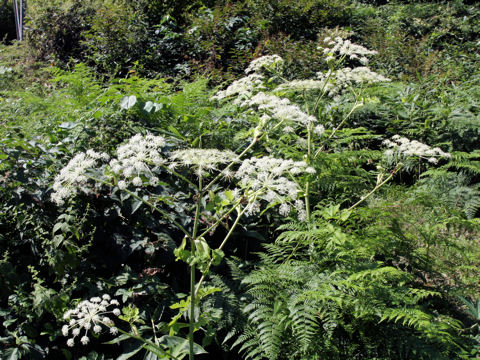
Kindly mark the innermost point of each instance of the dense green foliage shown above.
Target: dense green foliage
(380, 261)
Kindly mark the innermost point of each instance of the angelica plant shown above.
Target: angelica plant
(269, 101)
(146, 164)
(222, 186)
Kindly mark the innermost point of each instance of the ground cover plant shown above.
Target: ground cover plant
(240, 180)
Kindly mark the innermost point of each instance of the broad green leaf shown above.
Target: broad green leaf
(128, 102)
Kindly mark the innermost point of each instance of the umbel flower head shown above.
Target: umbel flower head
(337, 80)
(345, 48)
(139, 159)
(267, 62)
(94, 314)
(403, 147)
(280, 108)
(267, 178)
(242, 88)
(202, 159)
(74, 175)
(246, 87)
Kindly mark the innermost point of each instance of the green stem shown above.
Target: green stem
(355, 106)
(234, 225)
(307, 186)
(191, 319)
(378, 186)
(211, 227)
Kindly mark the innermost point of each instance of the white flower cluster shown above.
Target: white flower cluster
(301, 85)
(74, 175)
(202, 159)
(267, 176)
(402, 146)
(90, 315)
(243, 88)
(340, 79)
(279, 108)
(137, 158)
(345, 48)
(268, 62)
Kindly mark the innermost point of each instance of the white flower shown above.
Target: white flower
(74, 175)
(137, 181)
(88, 314)
(284, 209)
(279, 108)
(122, 185)
(268, 179)
(141, 155)
(288, 130)
(113, 330)
(116, 312)
(154, 181)
(70, 342)
(65, 330)
(302, 215)
(243, 88)
(268, 62)
(345, 48)
(318, 130)
(404, 147)
(203, 159)
(338, 80)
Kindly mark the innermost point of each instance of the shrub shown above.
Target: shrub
(301, 19)
(223, 38)
(7, 21)
(56, 28)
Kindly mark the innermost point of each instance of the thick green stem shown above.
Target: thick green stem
(307, 186)
(191, 319)
(307, 202)
(197, 289)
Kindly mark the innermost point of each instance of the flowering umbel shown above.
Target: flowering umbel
(93, 314)
(138, 159)
(403, 147)
(270, 179)
(74, 175)
(202, 160)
